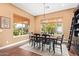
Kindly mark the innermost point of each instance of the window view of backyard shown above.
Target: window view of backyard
(20, 25)
(52, 27)
(48, 28)
(20, 29)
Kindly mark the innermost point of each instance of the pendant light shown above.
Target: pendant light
(44, 20)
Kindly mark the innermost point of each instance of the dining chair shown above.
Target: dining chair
(37, 34)
(46, 41)
(37, 39)
(31, 37)
(59, 41)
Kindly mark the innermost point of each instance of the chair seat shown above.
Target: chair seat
(37, 40)
(59, 41)
(46, 42)
(58, 44)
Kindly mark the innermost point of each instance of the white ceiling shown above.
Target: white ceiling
(38, 8)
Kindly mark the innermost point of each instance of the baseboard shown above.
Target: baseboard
(14, 44)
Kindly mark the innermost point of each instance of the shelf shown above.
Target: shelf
(76, 24)
(76, 12)
(76, 30)
(77, 16)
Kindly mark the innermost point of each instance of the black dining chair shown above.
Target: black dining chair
(31, 38)
(37, 34)
(37, 39)
(59, 41)
(46, 41)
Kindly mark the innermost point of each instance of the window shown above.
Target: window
(20, 29)
(20, 25)
(52, 26)
(49, 28)
(59, 28)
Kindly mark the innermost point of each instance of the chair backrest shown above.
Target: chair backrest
(30, 34)
(37, 34)
(46, 35)
(32, 37)
(45, 38)
(60, 38)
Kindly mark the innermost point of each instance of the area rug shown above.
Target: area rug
(45, 52)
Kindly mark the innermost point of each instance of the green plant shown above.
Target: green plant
(20, 30)
(15, 32)
(49, 28)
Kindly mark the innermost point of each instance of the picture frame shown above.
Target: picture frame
(4, 22)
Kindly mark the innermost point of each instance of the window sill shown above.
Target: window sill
(20, 36)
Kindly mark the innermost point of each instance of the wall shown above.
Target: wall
(20, 19)
(6, 35)
(66, 16)
(8, 10)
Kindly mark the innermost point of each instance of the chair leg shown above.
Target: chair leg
(29, 42)
(39, 44)
(49, 47)
(54, 46)
(34, 44)
(42, 47)
(61, 48)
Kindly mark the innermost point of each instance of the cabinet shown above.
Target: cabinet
(76, 31)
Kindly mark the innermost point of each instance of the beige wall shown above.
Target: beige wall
(6, 35)
(66, 16)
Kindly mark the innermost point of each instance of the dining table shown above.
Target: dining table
(52, 38)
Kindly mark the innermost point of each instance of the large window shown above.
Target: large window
(20, 29)
(52, 26)
(59, 28)
(48, 28)
(20, 25)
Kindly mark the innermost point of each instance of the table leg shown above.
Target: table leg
(54, 46)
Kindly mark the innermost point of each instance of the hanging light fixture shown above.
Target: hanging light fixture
(44, 15)
(44, 12)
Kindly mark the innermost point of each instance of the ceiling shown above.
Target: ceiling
(38, 8)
